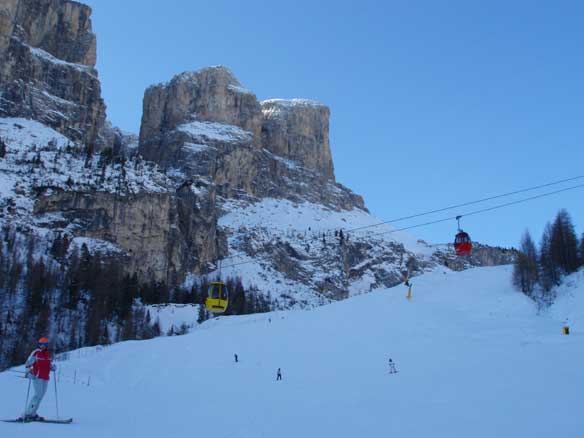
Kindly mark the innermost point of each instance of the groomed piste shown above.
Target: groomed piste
(475, 358)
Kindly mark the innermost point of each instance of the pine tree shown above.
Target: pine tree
(582, 250)
(564, 243)
(105, 334)
(525, 270)
(57, 247)
(549, 272)
(237, 298)
(183, 329)
(72, 283)
(128, 330)
(202, 316)
(138, 322)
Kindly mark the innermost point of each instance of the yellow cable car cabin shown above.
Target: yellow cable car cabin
(218, 297)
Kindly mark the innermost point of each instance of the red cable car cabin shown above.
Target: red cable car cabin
(462, 244)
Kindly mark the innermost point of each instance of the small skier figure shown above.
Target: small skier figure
(392, 369)
(279, 375)
(236, 358)
(39, 367)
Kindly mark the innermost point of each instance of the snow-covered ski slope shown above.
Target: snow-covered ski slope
(475, 359)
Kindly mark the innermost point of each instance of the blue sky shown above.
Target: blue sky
(433, 103)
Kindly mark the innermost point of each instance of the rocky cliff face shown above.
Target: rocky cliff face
(212, 95)
(47, 59)
(206, 124)
(161, 235)
(298, 129)
(61, 28)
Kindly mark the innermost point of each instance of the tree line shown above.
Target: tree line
(538, 269)
(79, 298)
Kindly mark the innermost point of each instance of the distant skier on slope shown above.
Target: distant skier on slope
(39, 367)
(279, 375)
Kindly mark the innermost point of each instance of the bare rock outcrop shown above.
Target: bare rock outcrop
(209, 95)
(298, 129)
(47, 59)
(61, 28)
(163, 235)
(206, 124)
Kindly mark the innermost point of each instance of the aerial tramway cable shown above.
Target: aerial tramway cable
(451, 207)
(466, 204)
(451, 218)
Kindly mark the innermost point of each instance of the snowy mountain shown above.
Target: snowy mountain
(474, 358)
(98, 224)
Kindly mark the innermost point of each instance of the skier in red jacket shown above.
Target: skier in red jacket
(39, 367)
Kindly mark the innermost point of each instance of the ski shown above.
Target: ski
(46, 420)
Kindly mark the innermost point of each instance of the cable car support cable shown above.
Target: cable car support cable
(447, 219)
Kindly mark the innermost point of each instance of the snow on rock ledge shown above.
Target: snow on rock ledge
(210, 131)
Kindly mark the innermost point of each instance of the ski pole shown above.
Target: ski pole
(27, 396)
(56, 394)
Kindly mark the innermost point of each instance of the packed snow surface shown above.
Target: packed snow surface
(173, 315)
(475, 359)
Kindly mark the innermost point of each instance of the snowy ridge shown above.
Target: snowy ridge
(469, 350)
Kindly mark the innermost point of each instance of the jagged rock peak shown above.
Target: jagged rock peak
(212, 94)
(59, 27)
(219, 73)
(296, 129)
